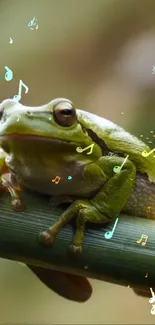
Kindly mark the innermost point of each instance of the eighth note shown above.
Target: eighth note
(109, 234)
(18, 97)
(117, 169)
(56, 180)
(8, 74)
(146, 154)
(143, 236)
(79, 149)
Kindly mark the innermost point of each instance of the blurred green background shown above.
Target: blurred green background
(100, 54)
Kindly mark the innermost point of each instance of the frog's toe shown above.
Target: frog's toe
(46, 238)
(76, 249)
(17, 205)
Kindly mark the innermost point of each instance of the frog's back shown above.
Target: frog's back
(119, 140)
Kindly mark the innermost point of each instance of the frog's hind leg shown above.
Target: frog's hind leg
(84, 212)
(17, 203)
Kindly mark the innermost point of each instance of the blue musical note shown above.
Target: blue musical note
(109, 234)
(18, 97)
(8, 74)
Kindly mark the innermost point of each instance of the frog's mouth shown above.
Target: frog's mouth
(30, 137)
(28, 142)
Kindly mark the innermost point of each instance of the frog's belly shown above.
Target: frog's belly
(38, 180)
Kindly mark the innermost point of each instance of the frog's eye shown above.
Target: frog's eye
(65, 113)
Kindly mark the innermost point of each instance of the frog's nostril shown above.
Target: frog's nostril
(29, 113)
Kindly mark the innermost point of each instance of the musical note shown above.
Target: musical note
(56, 180)
(152, 299)
(109, 234)
(18, 97)
(143, 236)
(31, 23)
(18, 116)
(79, 149)
(146, 154)
(11, 41)
(8, 74)
(153, 310)
(117, 169)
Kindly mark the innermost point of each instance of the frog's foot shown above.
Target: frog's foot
(55, 201)
(17, 204)
(47, 238)
(75, 249)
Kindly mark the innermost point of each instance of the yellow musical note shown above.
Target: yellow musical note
(146, 154)
(143, 236)
(56, 180)
(117, 169)
(79, 149)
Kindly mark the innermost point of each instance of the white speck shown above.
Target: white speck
(11, 41)
(141, 136)
(150, 141)
(85, 267)
(151, 131)
(122, 113)
(147, 138)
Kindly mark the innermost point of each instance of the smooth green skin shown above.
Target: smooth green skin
(38, 149)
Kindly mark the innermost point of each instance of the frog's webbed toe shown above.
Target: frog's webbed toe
(46, 238)
(75, 249)
(18, 204)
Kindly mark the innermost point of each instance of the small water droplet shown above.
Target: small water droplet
(141, 136)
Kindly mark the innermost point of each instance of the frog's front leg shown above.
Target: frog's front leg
(7, 183)
(104, 206)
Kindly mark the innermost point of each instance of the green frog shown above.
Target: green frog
(76, 157)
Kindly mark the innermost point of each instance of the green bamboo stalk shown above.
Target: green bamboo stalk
(120, 260)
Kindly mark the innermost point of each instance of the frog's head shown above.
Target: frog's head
(57, 122)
